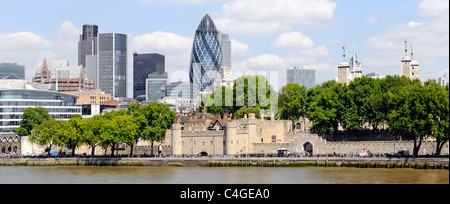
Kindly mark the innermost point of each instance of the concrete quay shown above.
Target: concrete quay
(359, 162)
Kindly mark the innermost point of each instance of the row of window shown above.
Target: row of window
(50, 110)
(30, 103)
(38, 95)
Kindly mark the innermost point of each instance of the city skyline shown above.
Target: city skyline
(265, 35)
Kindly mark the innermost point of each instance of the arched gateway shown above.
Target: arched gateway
(308, 148)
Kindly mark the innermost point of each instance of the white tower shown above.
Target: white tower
(410, 66)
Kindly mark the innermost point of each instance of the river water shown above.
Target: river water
(218, 175)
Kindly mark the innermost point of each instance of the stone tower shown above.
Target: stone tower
(410, 66)
(344, 74)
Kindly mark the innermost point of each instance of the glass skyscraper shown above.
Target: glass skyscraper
(112, 64)
(303, 77)
(87, 44)
(207, 56)
(143, 65)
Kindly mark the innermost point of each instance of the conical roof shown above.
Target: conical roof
(207, 24)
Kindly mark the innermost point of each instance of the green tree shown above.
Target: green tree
(359, 105)
(46, 133)
(437, 105)
(409, 118)
(91, 132)
(325, 107)
(159, 118)
(292, 102)
(245, 111)
(70, 134)
(30, 118)
(126, 130)
(248, 91)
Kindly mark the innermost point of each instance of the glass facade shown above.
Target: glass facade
(178, 90)
(112, 64)
(14, 102)
(8, 68)
(303, 77)
(156, 89)
(87, 44)
(206, 57)
(143, 65)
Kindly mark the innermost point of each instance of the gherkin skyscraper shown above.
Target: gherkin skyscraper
(207, 56)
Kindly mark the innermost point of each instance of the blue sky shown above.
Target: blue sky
(266, 35)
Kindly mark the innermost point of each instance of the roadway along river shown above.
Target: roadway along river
(218, 175)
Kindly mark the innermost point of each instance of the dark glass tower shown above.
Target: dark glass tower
(143, 65)
(206, 57)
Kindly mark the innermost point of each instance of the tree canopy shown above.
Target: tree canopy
(148, 123)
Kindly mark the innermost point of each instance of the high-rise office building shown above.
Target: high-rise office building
(303, 77)
(155, 86)
(225, 43)
(207, 56)
(143, 65)
(87, 44)
(112, 64)
(12, 68)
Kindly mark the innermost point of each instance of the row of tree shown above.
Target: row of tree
(407, 108)
(137, 122)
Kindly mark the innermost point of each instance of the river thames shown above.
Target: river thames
(218, 175)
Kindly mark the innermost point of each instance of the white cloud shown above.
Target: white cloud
(434, 7)
(14, 43)
(429, 38)
(176, 49)
(237, 27)
(238, 51)
(262, 17)
(293, 40)
(66, 40)
(266, 61)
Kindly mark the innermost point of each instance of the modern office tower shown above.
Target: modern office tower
(207, 56)
(155, 86)
(303, 77)
(178, 90)
(410, 66)
(225, 43)
(87, 44)
(349, 70)
(143, 65)
(12, 68)
(112, 64)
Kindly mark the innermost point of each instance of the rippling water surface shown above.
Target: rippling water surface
(229, 175)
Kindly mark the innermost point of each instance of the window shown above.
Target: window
(274, 139)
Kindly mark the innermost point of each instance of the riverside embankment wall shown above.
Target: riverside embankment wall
(373, 162)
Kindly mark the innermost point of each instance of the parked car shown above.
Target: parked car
(402, 153)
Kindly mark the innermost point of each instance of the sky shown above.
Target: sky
(268, 36)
